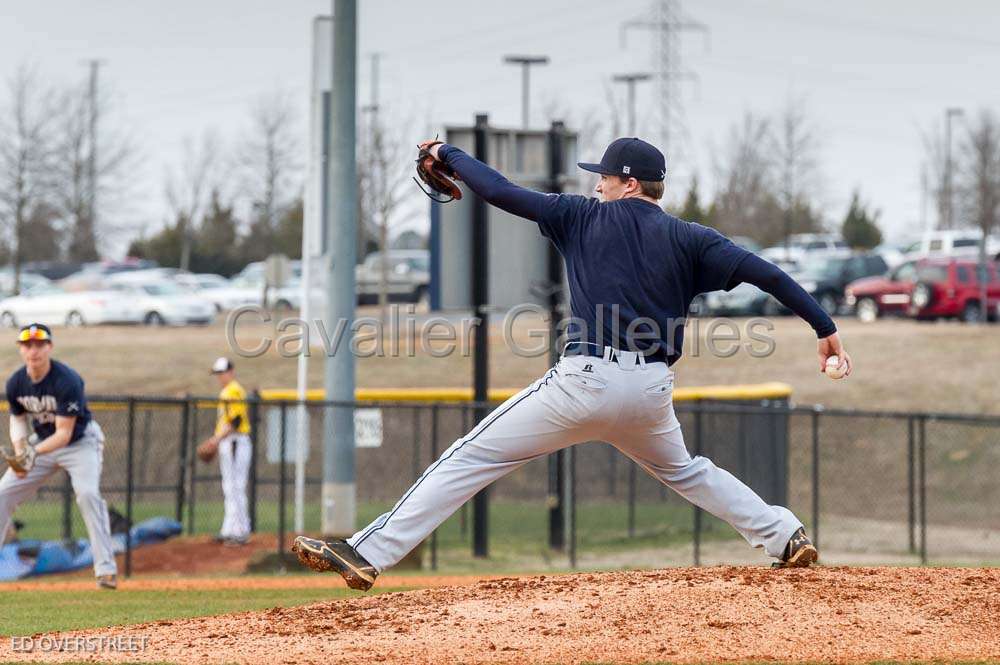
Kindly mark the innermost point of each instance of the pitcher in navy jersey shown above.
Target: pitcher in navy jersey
(632, 271)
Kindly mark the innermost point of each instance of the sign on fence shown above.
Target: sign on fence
(367, 428)
(367, 431)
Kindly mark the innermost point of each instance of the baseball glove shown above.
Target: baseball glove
(438, 176)
(207, 450)
(20, 462)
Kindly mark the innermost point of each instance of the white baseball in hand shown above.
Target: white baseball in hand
(834, 368)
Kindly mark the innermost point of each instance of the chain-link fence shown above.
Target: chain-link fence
(870, 487)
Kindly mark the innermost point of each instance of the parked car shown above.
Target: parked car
(53, 305)
(28, 281)
(926, 289)
(743, 300)
(165, 303)
(746, 243)
(826, 279)
(952, 243)
(804, 246)
(408, 279)
(199, 282)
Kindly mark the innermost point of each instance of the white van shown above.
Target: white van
(964, 242)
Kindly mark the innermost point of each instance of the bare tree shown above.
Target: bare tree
(937, 165)
(189, 188)
(796, 144)
(979, 186)
(744, 200)
(25, 156)
(114, 167)
(269, 160)
(384, 171)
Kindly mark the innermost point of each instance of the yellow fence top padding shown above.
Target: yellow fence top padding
(773, 390)
(753, 391)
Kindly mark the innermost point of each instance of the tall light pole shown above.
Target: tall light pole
(630, 80)
(949, 212)
(338, 490)
(526, 61)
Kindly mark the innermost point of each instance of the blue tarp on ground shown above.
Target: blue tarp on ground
(42, 557)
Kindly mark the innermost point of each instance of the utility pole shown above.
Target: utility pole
(377, 178)
(667, 26)
(949, 210)
(526, 61)
(91, 226)
(339, 489)
(630, 80)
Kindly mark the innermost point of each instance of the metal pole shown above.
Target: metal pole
(525, 88)
(416, 443)
(631, 498)
(630, 80)
(697, 510)
(480, 300)
(556, 461)
(434, 447)
(463, 517)
(95, 66)
(910, 484)
(191, 476)
(281, 485)
(815, 477)
(949, 211)
(129, 486)
(572, 506)
(183, 448)
(923, 490)
(67, 508)
(525, 62)
(254, 436)
(339, 491)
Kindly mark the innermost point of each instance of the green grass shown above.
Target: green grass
(29, 612)
(518, 529)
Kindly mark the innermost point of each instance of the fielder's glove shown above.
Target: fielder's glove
(21, 462)
(207, 450)
(438, 176)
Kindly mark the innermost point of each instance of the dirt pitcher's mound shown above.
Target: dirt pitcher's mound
(707, 614)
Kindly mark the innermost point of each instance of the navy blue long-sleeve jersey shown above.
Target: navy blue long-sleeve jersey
(632, 268)
(59, 393)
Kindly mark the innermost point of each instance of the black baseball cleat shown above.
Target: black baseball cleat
(799, 552)
(107, 582)
(336, 555)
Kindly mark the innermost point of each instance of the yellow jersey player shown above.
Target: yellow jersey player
(232, 442)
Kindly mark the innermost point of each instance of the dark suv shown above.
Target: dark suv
(825, 279)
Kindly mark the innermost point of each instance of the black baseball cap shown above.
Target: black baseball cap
(632, 158)
(34, 332)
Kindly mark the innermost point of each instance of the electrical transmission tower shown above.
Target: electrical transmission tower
(667, 24)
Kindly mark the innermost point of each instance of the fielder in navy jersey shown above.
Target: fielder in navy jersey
(632, 271)
(49, 418)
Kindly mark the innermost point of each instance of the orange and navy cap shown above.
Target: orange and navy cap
(34, 332)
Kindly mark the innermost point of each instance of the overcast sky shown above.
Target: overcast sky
(874, 74)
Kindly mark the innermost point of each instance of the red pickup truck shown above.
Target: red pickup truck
(926, 289)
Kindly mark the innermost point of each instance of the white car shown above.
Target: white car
(165, 303)
(52, 305)
(28, 281)
(951, 243)
(201, 281)
(804, 246)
